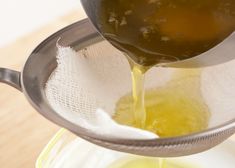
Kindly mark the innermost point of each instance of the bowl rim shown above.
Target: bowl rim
(47, 149)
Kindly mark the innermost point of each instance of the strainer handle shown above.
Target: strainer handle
(10, 77)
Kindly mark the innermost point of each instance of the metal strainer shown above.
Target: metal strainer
(41, 63)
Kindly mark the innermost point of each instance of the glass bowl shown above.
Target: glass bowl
(65, 150)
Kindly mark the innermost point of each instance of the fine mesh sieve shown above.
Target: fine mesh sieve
(81, 35)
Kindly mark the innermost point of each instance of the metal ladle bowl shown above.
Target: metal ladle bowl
(217, 55)
(41, 63)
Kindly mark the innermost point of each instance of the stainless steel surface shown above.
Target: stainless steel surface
(10, 77)
(208, 58)
(221, 53)
(41, 64)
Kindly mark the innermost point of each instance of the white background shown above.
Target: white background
(19, 17)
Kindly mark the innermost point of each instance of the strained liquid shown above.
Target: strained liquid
(172, 110)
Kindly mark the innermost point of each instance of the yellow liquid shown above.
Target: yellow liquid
(175, 109)
(144, 162)
(138, 93)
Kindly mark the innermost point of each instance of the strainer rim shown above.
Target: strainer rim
(87, 134)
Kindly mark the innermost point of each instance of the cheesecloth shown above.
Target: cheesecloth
(87, 84)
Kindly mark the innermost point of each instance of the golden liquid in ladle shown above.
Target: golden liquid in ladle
(156, 31)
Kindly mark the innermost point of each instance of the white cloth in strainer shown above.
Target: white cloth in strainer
(86, 85)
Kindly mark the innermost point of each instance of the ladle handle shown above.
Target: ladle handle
(10, 77)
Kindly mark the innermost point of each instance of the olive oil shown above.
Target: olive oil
(138, 75)
(175, 109)
(156, 31)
